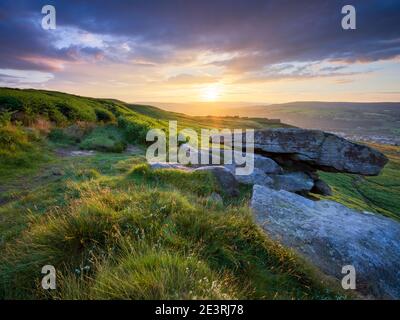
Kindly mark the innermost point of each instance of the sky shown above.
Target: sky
(204, 51)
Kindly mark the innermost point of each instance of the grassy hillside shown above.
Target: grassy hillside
(115, 229)
(374, 194)
(63, 109)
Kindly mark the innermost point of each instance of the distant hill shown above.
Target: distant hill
(379, 122)
(374, 122)
(217, 108)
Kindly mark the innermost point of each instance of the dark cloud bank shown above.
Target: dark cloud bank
(262, 33)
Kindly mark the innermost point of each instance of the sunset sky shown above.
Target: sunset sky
(199, 51)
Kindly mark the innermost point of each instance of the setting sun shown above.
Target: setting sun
(211, 93)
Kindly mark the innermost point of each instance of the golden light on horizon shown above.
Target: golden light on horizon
(211, 93)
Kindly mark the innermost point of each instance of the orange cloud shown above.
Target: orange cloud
(51, 64)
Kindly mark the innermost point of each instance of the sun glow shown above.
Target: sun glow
(211, 93)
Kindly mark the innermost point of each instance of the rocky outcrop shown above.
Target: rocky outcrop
(331, 236)
(293, 182)
(321, 150)
(216, 157)
(289, 158)
(256, 177)
(266, 165)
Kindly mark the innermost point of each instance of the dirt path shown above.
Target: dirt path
(49, 172)
(69, 152)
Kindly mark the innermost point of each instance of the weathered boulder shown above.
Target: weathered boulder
(224, 177)
(320, 149)
(256, 177)
(266, 164)
(217, 156)
(292, 181)
(331, 236)
(321, 187)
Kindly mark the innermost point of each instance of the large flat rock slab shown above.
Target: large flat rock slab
(322, 150)
(331, 236)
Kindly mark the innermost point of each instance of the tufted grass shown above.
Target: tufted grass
(123, 233)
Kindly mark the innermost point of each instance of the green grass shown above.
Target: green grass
(21, 151)
(165, 237)
(108, 219)
(106, 138)
(151, 273)
(375, 194)
(200, 183)
(56, 106)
